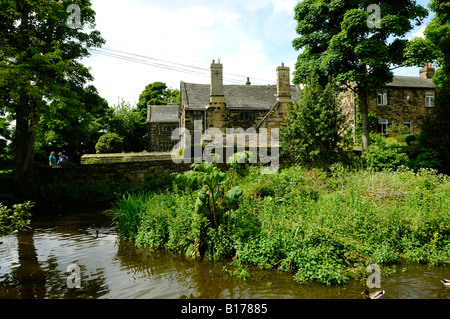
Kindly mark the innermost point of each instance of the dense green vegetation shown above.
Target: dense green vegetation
(321, 227)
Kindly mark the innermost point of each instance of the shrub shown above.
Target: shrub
(16, 218)
(410, 139)
(109, 143)
(427, 158)
(316, 134)
(383, 155)
(399, 132)
(127, 159)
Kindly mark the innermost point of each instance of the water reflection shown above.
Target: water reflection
(34, 265)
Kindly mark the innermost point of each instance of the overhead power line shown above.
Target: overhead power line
(169, 65)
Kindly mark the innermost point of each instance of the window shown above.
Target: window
(408, 125)
(198, 115)
(246, 119)
(382, 126)
(429, 99)
(382, 99)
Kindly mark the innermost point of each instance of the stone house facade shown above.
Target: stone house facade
(406, 100)
(223, 107)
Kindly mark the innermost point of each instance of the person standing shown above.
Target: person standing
(52, 159)
(62, 158)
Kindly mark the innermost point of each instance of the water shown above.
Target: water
(35, 264)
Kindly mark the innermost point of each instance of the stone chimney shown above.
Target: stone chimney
(427, 72)
(283, 84)
(216, 88)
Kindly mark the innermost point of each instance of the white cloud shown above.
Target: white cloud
(284, 5)
(249, 37)
(419, 33)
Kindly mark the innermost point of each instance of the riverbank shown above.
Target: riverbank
(324, 228)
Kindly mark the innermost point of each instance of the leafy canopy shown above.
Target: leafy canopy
(335, 35)
(157, 93)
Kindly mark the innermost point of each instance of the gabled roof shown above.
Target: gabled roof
(239, 97)
(163, 113)
(411, 82)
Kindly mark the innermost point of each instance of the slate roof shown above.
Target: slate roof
(238, 97)
(163, 113)
(412, 82)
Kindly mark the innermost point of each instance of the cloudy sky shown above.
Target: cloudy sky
(175, 40)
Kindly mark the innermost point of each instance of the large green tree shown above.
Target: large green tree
(344, 42)
(434, 139)
(438, 33)
(73, 124)
(157, 93)
(41, 43)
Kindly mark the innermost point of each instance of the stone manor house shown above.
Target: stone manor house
(405, 100)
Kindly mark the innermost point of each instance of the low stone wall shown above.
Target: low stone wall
(125, 157)
(119, 171)
(133, 172)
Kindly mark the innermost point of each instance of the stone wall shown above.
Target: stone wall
(133, 172)
(125, 157)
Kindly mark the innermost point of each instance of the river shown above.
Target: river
(46, 261)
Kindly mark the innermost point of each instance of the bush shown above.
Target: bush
(316, 133)
(384, 155)
(399, 132)
(109, 143)
(17, 218)
(427, 158)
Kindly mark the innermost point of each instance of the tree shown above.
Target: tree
(345, 43)
(437, 33)
(109, 143)
(72, 124)
(157, 93)
(129, 123)
(41, 43)
(315, 132)
(434, 139)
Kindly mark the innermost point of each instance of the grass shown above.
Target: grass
(320, 227)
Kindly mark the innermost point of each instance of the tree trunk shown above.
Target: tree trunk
(364, 109)
(26, 119)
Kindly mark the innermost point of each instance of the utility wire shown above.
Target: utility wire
(179, 67)
(186, 65)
